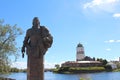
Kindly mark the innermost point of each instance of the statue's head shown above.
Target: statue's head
(36, 21)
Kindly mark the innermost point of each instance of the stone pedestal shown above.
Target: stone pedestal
(35, 69)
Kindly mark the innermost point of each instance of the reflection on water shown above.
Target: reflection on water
(86, 76)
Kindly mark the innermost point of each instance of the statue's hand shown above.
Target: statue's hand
(23, 51)
(22, 55)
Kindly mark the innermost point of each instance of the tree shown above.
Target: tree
(93, 58)
(57, 66)
(98, 59)
(104, 62)
(108, 67)
(8, 36)
(118, 65)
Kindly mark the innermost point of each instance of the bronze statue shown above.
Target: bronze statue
(36, 43)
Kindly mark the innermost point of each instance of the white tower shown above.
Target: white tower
(80, 52)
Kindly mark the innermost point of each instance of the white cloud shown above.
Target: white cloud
(49, 65)
(102, 5)
(20, 65)
(92, 4)
(108, 49)
(115, 59)
(112, 41)
(116, 15)
(117, 40)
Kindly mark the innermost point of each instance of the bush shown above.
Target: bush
(108, 68)
(14, 70)
(64, 69)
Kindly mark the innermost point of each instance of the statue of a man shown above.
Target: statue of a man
(37, 41)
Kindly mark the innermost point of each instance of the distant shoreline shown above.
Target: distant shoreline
(1, 78)
(72, 70)
(79, 71)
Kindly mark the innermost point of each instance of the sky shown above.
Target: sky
(93, 23)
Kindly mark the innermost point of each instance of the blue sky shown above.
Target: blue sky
(94, 23)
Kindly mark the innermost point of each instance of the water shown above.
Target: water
(86, 76)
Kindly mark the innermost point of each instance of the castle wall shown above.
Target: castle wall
(82, 64)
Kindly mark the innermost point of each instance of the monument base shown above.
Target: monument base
(35, 69)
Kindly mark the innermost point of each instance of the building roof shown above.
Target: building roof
(79, 45)
(88, 62)
(83, 62)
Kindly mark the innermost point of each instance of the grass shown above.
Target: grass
(68, 70)
(116, 70)
(87, 68)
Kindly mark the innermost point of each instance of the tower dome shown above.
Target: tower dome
(79, 45)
